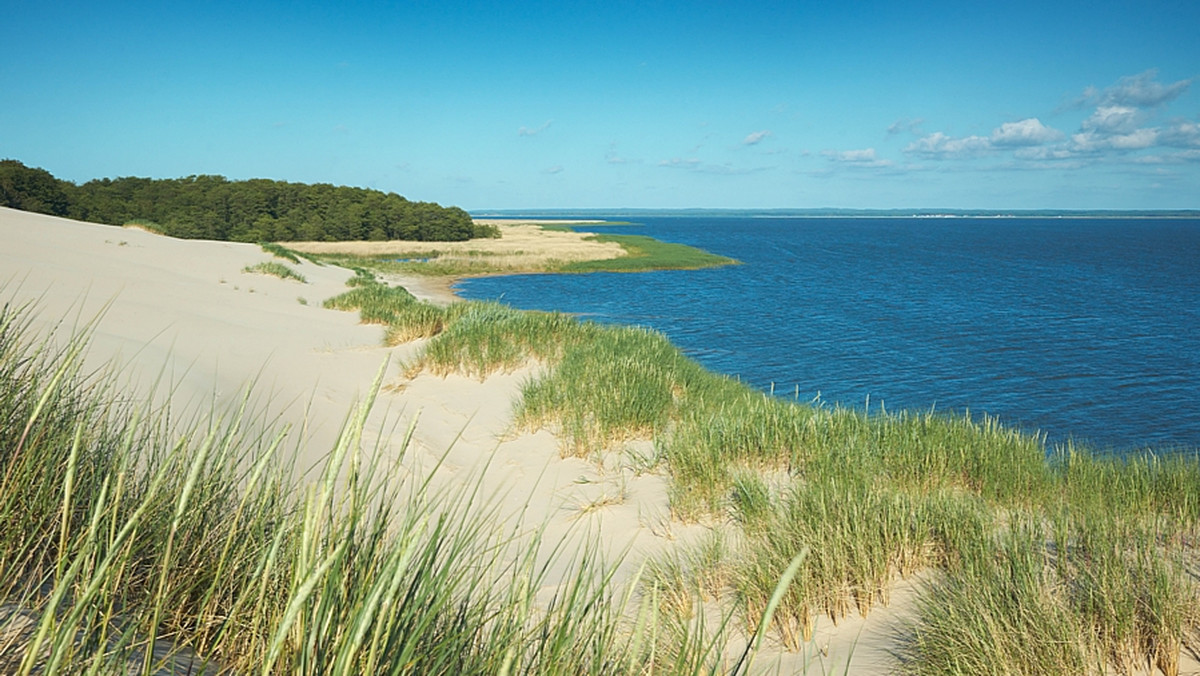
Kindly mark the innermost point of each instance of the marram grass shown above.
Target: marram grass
(275, 269)
(128, 545)
(987, 512)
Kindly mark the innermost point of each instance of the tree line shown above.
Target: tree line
(256, 210)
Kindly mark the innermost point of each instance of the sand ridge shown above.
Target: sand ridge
(183, 312)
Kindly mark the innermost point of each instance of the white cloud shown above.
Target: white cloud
(905, 125)
(1135, 140)
(556, 169)
(1170, 158)
(941, 145)
(526, 131)
(1025, 133)
(695, 165)
(690, 162)
(1113, 120)
(1181, 134)
(1028, 132)
(756, 137)
(1142, 91)
(1118, 129)
(1091, 141)
(865, 157)
(1044, 153)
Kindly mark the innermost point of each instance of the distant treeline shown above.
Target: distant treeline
(257, 210)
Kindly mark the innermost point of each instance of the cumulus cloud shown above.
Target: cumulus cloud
(1181, 134)
(755, 138)
(1141, 90)
(1091, 141)
(940, 145)
(865, 157)
(1113, 120)
(1044, 153)
(1120, 125)
(526, 131)
(1021, 134)
(1028, 132)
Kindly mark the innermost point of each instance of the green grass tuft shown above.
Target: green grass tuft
(275, 270)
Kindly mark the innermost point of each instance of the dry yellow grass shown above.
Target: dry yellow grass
(522, 246)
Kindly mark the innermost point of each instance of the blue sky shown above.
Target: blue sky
(622, 104)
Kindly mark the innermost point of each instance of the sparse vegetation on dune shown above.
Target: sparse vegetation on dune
(1060, 543)
(129, 546)
(275, 269)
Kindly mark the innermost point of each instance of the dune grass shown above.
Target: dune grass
(999, 518)
(280, 251)
(130, 545)
(275, 269)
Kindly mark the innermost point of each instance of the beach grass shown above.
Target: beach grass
(131, 545)
(873, 496)
(275, 269)
(280, 251)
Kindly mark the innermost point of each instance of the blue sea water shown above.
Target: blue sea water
(1084, 329)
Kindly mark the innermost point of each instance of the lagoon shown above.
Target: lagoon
(1084, 329)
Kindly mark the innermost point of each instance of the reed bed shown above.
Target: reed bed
(1092, 559)
(130, 546)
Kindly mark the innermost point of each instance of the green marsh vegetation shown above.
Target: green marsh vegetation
(644, 253)
(641, 254)
(129, 543)
(1029, 561)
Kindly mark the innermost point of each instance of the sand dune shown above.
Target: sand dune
(180, 321)
(183, 313)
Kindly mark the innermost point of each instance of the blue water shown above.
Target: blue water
(1082, 329)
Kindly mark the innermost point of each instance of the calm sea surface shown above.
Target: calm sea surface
(1080, 328)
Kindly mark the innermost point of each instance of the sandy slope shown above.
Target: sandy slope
(183, 313)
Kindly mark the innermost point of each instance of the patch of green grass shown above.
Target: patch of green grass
(646, 253)
(483, 338)
(279, 251)
(147, 225)
(275, 270)
(122, 531)
(405, 317)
